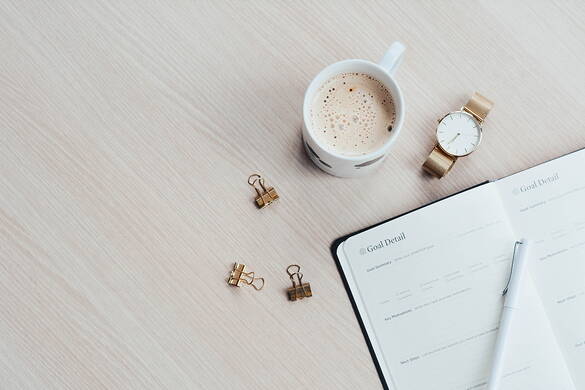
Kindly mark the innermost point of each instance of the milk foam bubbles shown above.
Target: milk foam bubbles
(352, 114)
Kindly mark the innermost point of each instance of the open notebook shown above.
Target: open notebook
(426, 286)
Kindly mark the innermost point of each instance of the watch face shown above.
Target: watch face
(458, 133)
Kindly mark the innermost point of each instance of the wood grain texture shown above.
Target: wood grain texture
(129, 128)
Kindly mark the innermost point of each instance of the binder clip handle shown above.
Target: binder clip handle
(250, 279)
(253, 178)
(256, 178)
(251, 283)
(293, 266)
(296, 273)
(299, 278)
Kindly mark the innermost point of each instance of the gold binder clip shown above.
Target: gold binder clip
(266, 195)
(239, 276)
(299, 290)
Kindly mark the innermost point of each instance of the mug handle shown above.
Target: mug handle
(393, 57)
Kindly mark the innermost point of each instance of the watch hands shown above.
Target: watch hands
(454, 138)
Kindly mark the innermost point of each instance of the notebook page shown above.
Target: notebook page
(428, 287)
(532, 347)
(547, 203)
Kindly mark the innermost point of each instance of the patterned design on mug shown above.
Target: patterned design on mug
(365, 164)
(316, 155)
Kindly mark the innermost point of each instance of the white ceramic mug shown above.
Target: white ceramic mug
(353, 166)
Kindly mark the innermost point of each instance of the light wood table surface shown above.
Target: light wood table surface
(128, 131)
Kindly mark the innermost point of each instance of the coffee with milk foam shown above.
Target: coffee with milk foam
(352, 114)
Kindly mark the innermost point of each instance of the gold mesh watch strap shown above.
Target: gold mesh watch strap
(478, 106)
(439, 163)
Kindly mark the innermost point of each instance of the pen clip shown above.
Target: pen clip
(512, 267)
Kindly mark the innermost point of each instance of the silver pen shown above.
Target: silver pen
(511, 295)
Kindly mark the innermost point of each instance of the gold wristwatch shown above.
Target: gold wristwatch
(458, 134)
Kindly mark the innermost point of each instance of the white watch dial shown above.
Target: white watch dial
(458, 133)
